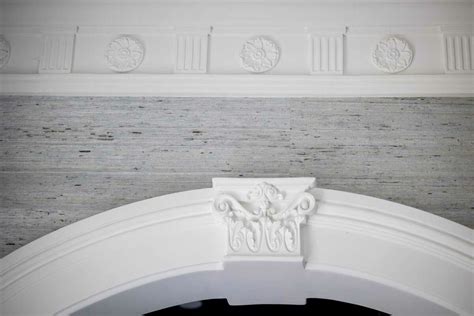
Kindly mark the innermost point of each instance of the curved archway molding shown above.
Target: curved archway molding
(251, 241)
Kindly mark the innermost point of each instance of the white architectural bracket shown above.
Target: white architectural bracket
(263, 216)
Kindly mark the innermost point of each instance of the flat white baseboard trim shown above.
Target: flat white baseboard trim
(236, 85)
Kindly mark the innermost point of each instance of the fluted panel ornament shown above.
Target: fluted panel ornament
(265, 223)
(392, 54)
(4, 51)
(259, 54)
(124, 54)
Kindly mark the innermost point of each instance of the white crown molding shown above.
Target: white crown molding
(311, 49)
(448, 29)
(132, 29)
(221, 29)
(236, 85)
(337, 2)
(257, 29)
(402, 261)
(295, 49)
(37, 29)
(391, 29)
(324, 29)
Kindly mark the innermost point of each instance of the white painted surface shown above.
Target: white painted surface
(458, 49)
(171, 250)
(236, 86)
(314, 38)
(263, 217)
(327, 54)
(191, 52)
(57, 53)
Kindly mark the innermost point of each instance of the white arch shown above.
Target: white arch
(174, 249)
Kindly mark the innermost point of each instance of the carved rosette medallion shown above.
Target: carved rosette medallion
(124, 54)
(266, 222)
(392, 55)
(259, 54)
(4, 51)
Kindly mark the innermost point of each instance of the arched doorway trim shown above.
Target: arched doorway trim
(175, 248)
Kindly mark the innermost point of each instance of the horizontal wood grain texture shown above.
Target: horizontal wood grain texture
(66, 158)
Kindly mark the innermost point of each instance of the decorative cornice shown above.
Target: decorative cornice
(293, 50)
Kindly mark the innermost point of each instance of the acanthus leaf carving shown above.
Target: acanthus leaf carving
(264, 223)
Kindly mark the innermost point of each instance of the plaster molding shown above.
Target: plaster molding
(125, 29)
(57, 53)
(357, 249)
(392, 54)
(394, 244)
(455, 29)
(266, 222)
(325, 49)
(374, 2)
(249, 30)
(364, 30)
(458, 51)
(259, 54)
(191, 52)
(236, 85)
(327, 54)
(37, 29)
(326, 29)
(5, 51)
(124, 54)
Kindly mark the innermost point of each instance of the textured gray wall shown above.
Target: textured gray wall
(67, 158)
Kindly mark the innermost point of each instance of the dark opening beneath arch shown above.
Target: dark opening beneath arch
(313, 307)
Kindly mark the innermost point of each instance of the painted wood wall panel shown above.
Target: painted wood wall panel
(66, 158)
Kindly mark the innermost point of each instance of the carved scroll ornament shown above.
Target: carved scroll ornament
(264, 223)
